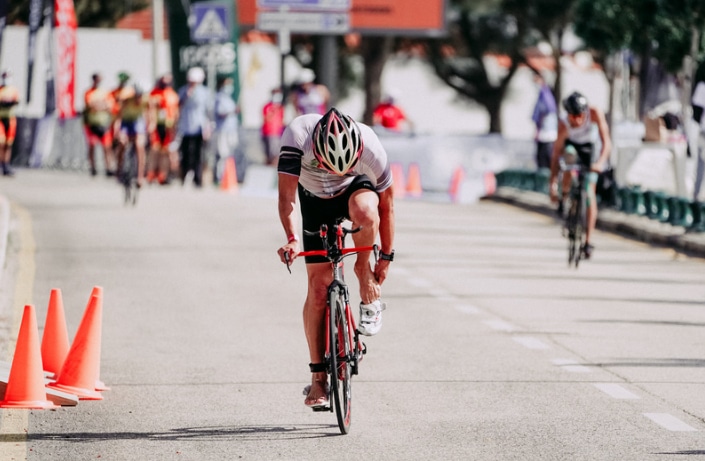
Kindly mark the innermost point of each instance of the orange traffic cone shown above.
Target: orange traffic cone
(80, 371)
(229, 180)
(25, 387)
(413, 186)
(456, 182)
(99, 385)
(398, 183)
(55, 341)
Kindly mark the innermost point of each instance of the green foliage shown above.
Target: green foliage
(660, 28)
(89, 13)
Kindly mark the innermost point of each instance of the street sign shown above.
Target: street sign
(210, 22)
(317, 5)
(304, 22)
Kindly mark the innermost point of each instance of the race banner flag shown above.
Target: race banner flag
(65, 34)
(35, 19)
(3, 18)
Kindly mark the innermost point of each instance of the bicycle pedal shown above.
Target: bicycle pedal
(364, 348)
(321, 408)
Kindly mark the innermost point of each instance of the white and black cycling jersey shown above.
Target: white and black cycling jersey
(296, 158)
(585, 137)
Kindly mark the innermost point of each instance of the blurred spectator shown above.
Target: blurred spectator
(310, 97)
(193, 125)
(9, 98)
(164, 112)
(389, 115)
(227, 126)
(273, 126)
(132, 119)
(698, 102)
(97, 119)
(545, 118)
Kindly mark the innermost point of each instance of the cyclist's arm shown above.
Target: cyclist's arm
(287, 212)
(604, 131)
(386, 231)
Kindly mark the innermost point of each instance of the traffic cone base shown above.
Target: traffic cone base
(80, 392)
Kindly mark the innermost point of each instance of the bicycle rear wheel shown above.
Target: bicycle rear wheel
(572, 225)
(341, 352)
(129, 175)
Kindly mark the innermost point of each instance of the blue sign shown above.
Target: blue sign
(306, 4)
(210, 22)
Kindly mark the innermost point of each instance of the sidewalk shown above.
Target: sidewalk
(637, 227)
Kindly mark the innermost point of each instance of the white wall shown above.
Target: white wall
(107, 51)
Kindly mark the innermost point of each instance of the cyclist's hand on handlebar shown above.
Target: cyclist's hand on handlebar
(288, 252)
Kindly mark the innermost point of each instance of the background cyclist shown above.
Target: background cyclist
(339, 169)
(133, 127)
(585, 128)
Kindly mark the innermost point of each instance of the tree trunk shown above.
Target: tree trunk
(375, 51)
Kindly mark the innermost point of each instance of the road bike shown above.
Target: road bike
(344, 349)
(576, 217)
(128, 173)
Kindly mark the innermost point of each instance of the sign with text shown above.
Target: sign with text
(318, 5)
(373, 17)
(303, 22)
(209, 22)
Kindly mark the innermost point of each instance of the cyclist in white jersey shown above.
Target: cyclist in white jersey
(584, 128)
(340, 170)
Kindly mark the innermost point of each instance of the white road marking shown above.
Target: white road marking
(499, 325)
(420, 282)
(616, 391)
(571, 366)
(531, 342)
(468, 309)
(670, 422)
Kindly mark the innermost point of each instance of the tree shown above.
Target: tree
(89, 13)
(499, 28)
(663, 30)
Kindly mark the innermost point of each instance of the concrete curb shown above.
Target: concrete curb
(639, 228)
(4, 230)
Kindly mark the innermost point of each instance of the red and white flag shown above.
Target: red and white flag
(65, 35)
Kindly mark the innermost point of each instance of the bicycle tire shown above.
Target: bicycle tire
(572, 226)
(129, 178)
(340, 368)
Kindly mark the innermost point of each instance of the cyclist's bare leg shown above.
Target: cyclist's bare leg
(319, 277)
(363, 209)
(591, 212)
(141, 157)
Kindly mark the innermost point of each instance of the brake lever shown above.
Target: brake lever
(287, 258)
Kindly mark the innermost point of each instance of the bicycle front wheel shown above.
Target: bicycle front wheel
(572, 225)
(341, 353)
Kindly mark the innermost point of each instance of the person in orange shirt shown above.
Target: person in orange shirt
(273, 126)
(9, 98)
(97, 119)
(164, 110)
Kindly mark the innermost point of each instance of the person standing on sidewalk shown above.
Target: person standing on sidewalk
(227, 126)
(194, 125)
(9, 98)
(545, 118)
(273, 126)
(698, 103)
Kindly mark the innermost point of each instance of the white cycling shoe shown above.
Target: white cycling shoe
(371, 317)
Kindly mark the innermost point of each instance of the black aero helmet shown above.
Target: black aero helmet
(575, 104)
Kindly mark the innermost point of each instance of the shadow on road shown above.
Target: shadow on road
(219, 433)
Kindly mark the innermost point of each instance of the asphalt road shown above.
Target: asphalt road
(492, 349)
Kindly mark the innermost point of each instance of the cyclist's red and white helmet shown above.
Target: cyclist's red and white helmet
(337, 142)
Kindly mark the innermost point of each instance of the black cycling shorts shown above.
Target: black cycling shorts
(330, 211)
(586, 152)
